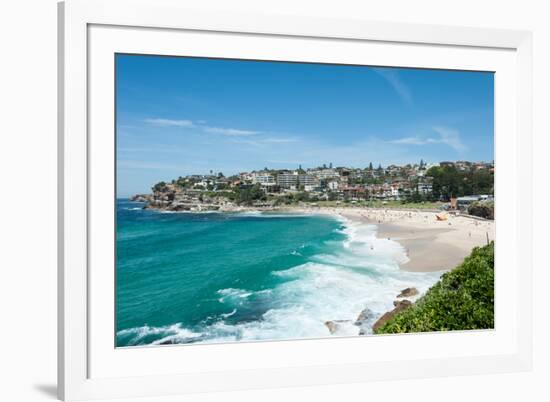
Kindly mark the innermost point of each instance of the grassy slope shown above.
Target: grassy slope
(462, 299)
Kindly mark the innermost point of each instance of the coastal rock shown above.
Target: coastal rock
(399, 305)
(140, 198)
(332, 326)
(408, 292)
(363, 316)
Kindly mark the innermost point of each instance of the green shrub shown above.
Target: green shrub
(462, 299)
(160, 187)
(485, 209)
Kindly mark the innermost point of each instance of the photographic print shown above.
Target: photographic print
(272, 200)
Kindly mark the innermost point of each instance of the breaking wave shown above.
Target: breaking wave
(360, 273)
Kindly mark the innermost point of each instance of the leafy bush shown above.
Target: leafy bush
(483, 209)
(248, 195)
(302, 196)
(160, 187)
(462, 299)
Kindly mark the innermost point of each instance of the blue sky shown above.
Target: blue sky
(179, 116)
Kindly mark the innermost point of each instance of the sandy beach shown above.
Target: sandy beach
(430, 245)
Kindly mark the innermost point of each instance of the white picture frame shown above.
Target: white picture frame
(90, 32)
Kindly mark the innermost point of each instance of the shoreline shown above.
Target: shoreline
(430, 245)
(422, 244)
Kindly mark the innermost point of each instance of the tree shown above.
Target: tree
(160, 187)
(483, 182)
(247, 195)
(303, 196)
(449, 182)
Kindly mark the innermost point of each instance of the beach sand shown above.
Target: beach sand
(430, 245)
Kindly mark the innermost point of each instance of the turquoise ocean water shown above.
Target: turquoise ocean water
(220, 277)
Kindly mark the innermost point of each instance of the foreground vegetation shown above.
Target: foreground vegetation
(462, 299)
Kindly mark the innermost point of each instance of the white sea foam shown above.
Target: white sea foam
(227, 315)
(362, 273)
(231, 293)
(186, 212)
(261, 214)
(168, 332)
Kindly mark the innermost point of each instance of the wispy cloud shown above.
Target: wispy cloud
(413, 141)
(133, 164)
(280, 140)
(246, 141)
(169, 123)
(451, 137)
(392, 77)
(200, 124)
(447, 136)
(265, 142)
(230, 132)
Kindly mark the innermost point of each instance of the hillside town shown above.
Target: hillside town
(462, 181)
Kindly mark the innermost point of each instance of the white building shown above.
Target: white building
(264, 179)
(288, 180)
(394, 192)
(332, 185)
(324, 174)
(425, 188)
(307, 180)
(246, 176)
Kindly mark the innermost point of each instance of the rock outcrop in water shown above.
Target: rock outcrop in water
(140, 198)
(334, 325)
(170, 198)
(399, 305)
(363, 316)
(408, 292)
(362, 321)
